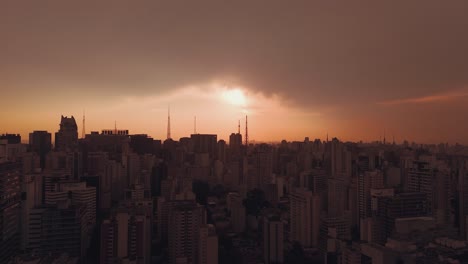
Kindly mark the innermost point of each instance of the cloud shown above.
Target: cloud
(426, 99)
(317, 53)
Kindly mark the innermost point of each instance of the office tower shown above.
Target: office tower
(263, 164)
(66, 139)
(305, 210)
(142, 144)
(205, 143)
(333, 229)
(462, 169)
(366, 181)
(420, 178)
(208, 245)
(40, 142)
(233, 174)
(336, 197)
(400, 205)
(82, 195)
(314, 180)
(271, 193)
(60, 228)
(237, 209)
(10, 196)
(32, 197)
(442, 195)
(125, 237)
(351, 255)
(235, 144)
(338, 159)
(273, 246)
(10, 147)
(185, 220)
(221, 151)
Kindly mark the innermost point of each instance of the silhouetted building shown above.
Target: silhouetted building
(60, 228)
(273, 241)
(10, 196)
(185, 220)
(205, 143)
(66, 139)
(40, 142)
(208, 245)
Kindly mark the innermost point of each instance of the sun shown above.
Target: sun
(235, 97)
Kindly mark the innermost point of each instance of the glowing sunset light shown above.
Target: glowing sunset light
(235, 97)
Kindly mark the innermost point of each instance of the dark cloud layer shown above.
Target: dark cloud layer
(311, 51)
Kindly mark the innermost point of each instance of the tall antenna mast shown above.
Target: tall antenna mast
(169, 122)
(195, 125)
(83, 132)
(238, 128)
(115, 127)
(246, 132)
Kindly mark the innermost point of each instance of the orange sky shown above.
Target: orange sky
(305, 67)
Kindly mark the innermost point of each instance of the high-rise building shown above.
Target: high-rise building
(235, 144)
(32, 197)
(237, 209)
(305, 210)
(420, 178)
(125, 237)
(367, 181)
(57, 229)
(10, 196)
(40, 142)
(205, 143)
(263, 164)
(82, 195)
(66, 139)
(11, 148)
(208, 245)
(185, 220)
(273, 242)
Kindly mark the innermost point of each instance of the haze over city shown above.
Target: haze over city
(233, 132)
(299, 69)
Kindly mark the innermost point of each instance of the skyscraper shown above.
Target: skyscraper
(66, 139)
(305, 217)
(185, 220)
(208, 245)
(273, 246)
(10, 194)
(40, 142)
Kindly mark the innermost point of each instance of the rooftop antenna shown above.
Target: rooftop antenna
(238, 128)
(115, 127)
(327, 137)
(169, 122)
(195, 125)
(384, 139)
(83, 132)
(246, 132)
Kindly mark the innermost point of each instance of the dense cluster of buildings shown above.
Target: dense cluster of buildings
(116, 197)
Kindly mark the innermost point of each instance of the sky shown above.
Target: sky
(353, 69)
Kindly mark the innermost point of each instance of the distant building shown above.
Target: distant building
(273, 246)
(11, 148)
(185, 220)
(205, 143)
(208, 245)
(10, 196)
(66, 139)
(305, 210)
(40, 142)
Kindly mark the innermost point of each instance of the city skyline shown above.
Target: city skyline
(305, 69)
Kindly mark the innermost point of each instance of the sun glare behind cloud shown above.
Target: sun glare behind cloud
(235, 97)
